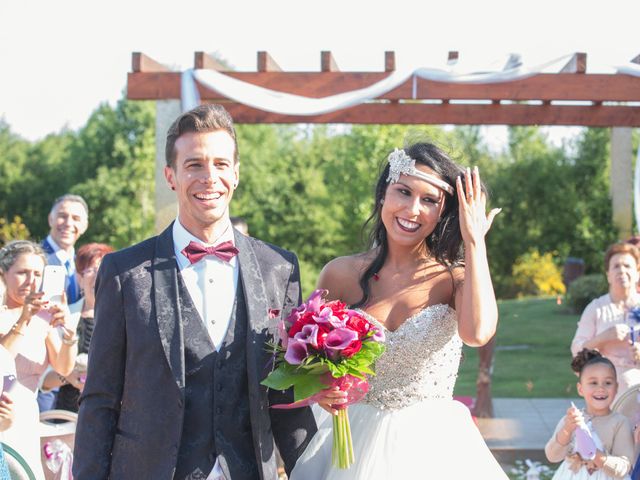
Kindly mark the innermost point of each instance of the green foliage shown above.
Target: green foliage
(110, 162)
(535, 274)
(310, 189)
(13, 230)
(532, 356)
(584, 289)
(552, 200)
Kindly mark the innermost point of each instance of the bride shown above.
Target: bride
(429, 295)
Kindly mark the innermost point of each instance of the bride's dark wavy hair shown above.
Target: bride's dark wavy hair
(445, 242)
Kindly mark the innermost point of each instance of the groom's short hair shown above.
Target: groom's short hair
(204, 118)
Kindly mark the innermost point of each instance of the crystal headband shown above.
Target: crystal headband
(401, 163)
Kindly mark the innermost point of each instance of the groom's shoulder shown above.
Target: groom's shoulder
(269, 251)
(129, 258)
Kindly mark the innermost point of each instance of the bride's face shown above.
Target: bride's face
(411, 209)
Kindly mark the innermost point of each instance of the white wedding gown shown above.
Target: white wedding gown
(408, 426)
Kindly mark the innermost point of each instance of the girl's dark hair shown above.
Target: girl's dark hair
(587, 357)
(444, 242)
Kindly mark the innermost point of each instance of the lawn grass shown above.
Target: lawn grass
(539, 366)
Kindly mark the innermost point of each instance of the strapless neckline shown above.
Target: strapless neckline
(408, 320)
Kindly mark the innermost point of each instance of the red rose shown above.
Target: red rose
(322, 335)
(359, 324)
(336, 306)
(352, 349)
(306, 319)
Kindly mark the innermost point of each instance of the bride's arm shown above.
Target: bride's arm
(475, 299)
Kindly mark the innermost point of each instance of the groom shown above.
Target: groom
(178, 351)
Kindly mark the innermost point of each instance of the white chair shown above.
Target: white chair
(628, 404)
(56, 424)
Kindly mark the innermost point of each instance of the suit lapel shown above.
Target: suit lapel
(257, 333)
(255, 299)
(165, 298)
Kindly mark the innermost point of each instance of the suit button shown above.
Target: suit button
(219, 387)
(218, 410)
(219, 364)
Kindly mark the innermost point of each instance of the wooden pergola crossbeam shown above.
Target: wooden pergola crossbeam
(571, 97)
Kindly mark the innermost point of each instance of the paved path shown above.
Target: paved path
(522, 427)
(524, 423)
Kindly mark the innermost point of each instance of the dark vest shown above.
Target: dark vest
(216, 416)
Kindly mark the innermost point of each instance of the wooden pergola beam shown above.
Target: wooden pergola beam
(545, 86)
(266, 63)
(389, 61)
(576, 64)
(204, 60)
(572, 97)
(327, 62)
(141, 63)
(454, 114)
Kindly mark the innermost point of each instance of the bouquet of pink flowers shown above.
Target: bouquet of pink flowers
(323, 345)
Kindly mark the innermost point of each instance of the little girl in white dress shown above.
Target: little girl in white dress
(611, 431)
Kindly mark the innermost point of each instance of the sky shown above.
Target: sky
(60, 60)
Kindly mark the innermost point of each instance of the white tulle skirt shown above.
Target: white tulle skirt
(434, 439)
(565, 473)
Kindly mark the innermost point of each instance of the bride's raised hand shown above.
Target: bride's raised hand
(474, 221)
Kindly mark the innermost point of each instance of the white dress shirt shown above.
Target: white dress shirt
(211, 282)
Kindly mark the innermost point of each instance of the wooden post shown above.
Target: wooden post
(483, 407)
(622, 180)
(166, 205)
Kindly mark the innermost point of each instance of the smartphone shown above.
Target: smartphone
(8, 382)
(53, 283)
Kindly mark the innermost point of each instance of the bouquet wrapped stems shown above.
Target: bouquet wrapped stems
(342, 453)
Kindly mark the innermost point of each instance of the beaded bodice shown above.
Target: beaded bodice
(420, 362)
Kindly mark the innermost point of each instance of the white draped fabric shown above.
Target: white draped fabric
(289, 104)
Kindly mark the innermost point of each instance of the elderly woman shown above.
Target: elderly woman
(36, 334)
(607, 323)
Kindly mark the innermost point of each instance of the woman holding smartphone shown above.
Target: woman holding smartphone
(35, 332)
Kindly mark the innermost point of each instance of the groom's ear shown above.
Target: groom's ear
(236, 171)
(169, 175)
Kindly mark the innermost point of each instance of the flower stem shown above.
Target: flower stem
(342, 455)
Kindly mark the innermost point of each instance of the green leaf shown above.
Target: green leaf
(281, 378)
(306, 386)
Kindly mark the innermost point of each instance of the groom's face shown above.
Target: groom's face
(204, 177)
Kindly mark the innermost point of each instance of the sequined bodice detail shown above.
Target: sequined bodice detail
(420, 362)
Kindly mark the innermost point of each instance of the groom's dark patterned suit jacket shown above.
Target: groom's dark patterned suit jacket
(150, 383)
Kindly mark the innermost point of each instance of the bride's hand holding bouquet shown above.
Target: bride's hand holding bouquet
(325, 352)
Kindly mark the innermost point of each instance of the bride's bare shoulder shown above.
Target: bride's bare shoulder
(341, 275)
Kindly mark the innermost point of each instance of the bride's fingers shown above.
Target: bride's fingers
(477, 189)
(461, 195)
(468, 184)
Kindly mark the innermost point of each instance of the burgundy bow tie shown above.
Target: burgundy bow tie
(196, 251)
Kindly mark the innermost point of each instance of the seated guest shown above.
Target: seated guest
(36, 333)
(608, 324)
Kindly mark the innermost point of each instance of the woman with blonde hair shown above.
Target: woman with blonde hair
(36, 333)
